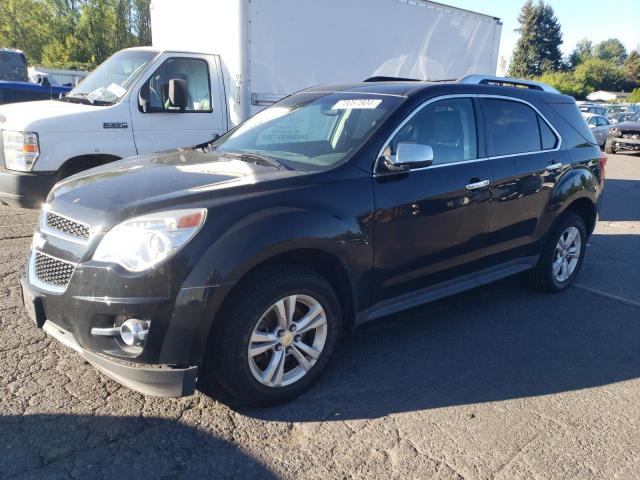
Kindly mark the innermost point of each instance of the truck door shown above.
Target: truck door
(158, 125)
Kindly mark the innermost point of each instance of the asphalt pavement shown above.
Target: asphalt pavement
(500, 382)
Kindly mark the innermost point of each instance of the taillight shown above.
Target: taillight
(603, 163)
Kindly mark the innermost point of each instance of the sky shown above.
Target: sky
(596, 20)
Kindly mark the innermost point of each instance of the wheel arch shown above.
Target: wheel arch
(80, 163)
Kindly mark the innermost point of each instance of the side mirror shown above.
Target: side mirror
(144, 99)
(408, 156)
(178, 93)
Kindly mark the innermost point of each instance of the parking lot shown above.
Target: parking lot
(499, 382)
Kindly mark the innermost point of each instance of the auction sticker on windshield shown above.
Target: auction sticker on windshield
(358, 104)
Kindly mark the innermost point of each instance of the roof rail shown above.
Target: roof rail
(390, 79)
(506, 82)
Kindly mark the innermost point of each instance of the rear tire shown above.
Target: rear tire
(252, 319)
(562, 255)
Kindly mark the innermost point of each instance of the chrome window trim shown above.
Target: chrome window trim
(36, 282)
(44, 228)
(490, 157)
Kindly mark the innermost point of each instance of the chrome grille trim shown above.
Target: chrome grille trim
(60, 226)
(50, 273)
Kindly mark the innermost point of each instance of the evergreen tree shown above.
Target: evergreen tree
(538, 48)
(611, 50)
(583, 51)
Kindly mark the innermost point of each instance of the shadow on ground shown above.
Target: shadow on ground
(71, 446)
(621, 202)
(498, 342)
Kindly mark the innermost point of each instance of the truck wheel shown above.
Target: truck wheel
(274, 336)
(562, 255)
(608, 147)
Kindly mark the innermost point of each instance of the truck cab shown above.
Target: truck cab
(124, 108)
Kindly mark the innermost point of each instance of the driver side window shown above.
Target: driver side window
(194, 71)
(447, 126)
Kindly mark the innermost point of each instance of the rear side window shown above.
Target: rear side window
(570, 114)
(514, 127)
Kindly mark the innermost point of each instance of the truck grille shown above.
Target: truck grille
(52, 271)
(66, 226)
(631, 135)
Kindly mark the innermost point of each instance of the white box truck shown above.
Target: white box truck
(215, 63)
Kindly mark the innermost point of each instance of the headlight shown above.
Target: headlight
(140, 243)
(615, 132)
(20, 149)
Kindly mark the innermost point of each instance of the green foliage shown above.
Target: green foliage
(611, 50)
(635, 96)
(583, 51)
(77, 34)
(631, 68)
(598, 74)
(565, 82)
(538, 48)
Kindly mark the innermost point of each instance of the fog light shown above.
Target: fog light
(133, 332)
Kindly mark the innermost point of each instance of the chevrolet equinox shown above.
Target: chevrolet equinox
(243, 261)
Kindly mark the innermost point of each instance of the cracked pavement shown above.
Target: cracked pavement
(500, 382)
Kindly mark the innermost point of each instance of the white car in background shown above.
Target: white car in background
(599, 125)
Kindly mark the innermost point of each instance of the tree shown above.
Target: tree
(631, 69)
(565, 82)
(23, 25)
(635, 96)
(597, 74)
(612, 50)
(583, 51)
(538, 48)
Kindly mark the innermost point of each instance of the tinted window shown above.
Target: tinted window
(512, 127)
(194, 71)
(601, 122)
(547, 137)
(448, 126)
(570, 113)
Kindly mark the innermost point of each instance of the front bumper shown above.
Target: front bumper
(162, 381)
(621, 143)
(22, 189)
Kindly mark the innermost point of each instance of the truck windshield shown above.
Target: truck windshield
(110, 81)
(13, 67)
(310, 131)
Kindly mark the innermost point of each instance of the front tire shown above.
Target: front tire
(274, 336)
(562, 255)
(608, 147)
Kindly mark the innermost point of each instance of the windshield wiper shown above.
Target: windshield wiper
(258, 159)
(84, 98)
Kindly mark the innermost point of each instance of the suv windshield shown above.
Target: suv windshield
(13, 67)
(110, 81)
(310, 131)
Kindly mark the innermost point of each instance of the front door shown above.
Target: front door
(164, 127)
(431, 222)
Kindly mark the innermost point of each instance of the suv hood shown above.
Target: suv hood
(161, 181)
(53, 116)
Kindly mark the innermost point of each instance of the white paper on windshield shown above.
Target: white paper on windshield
(116, 90)
(358, 104)
(96, 94)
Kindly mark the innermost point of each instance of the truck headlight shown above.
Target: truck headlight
(140, 243)
(615, 132)
(20, 150)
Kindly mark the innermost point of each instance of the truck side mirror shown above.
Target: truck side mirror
(144, 99)
(178, 93)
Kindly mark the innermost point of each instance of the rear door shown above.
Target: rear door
(526, 158)
(165, 127)
(431, 222)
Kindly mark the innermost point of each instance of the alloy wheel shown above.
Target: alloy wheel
(567, 254)
(287, 340)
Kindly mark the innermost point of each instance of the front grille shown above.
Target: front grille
(51, 270)
(67, 226)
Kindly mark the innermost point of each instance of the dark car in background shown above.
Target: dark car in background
(14, 80)
(624, 136)
(240, 264)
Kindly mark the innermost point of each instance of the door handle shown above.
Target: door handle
(552, 167)
(476, 185)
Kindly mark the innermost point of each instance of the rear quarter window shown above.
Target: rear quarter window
(571, 115)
